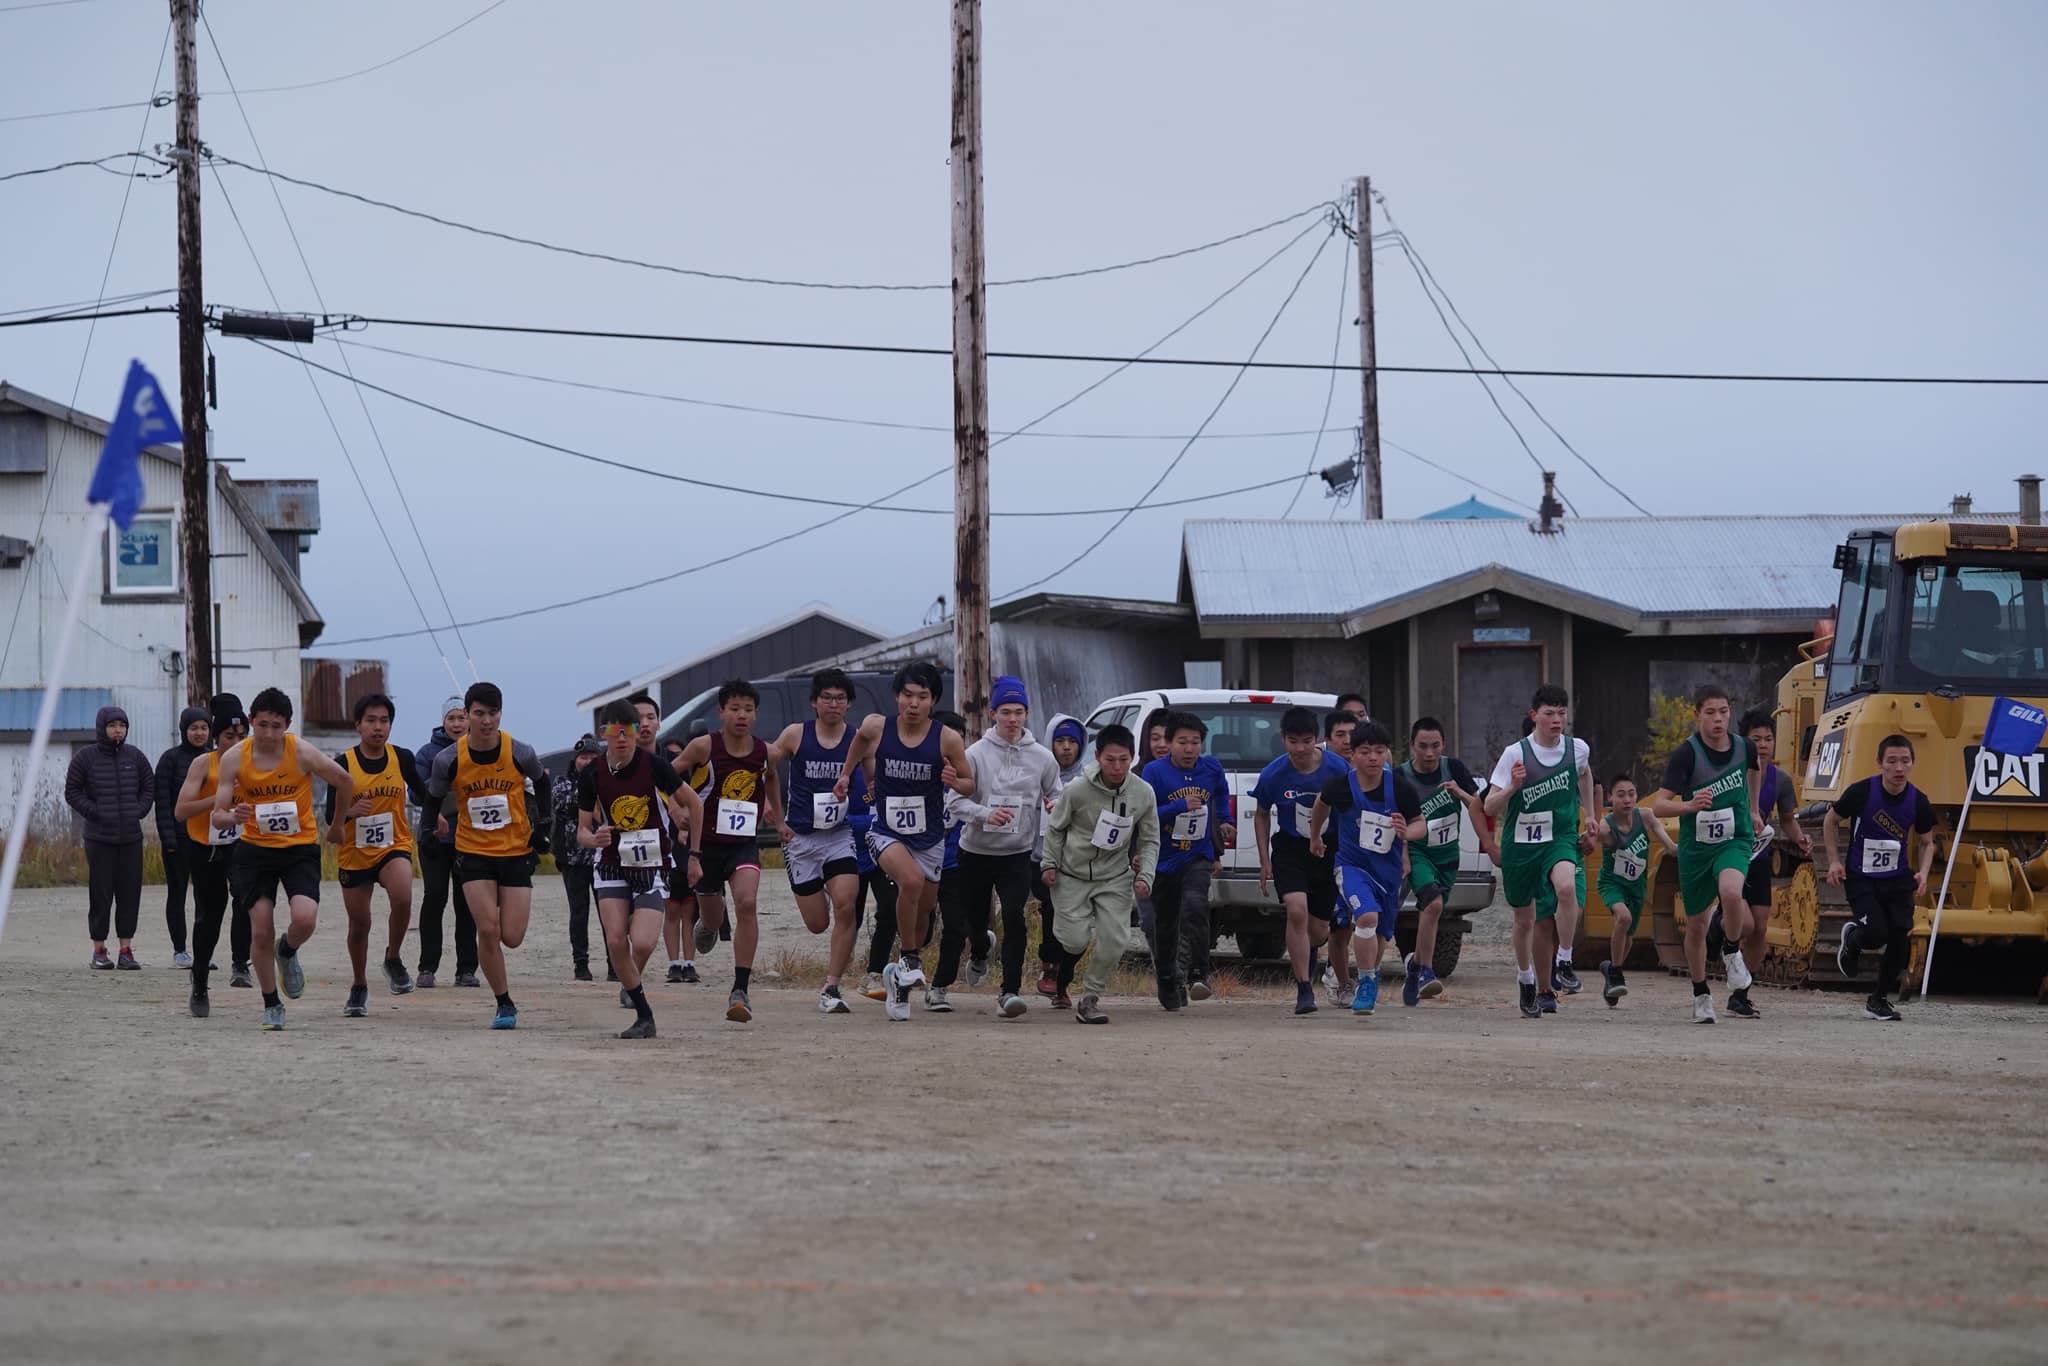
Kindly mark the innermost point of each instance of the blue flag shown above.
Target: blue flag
(143, 419)
(2014, 727)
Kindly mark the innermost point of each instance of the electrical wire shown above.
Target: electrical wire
(56, 310)
(100, 164)
(1457, 475)
(349, 76)
(1329, 394)
(42, 4)
(1181, 454)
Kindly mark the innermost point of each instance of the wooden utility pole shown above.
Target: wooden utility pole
(1368, 362)
(971, 664)
(195, 534)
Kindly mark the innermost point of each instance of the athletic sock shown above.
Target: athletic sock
(1564, 956)
(1526, 976)
(270, 999)
(638, 996)
(740, 978)
(1699, 988)
(675, 962)
(913, 958)
(505, 1002)
(285, 949)
(1301, 984)
(686, 963)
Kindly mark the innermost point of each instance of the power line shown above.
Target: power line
(92, 317)
(1455, 474)
(351, 75)
(1329, 394)
(55, 309)
(1181, 454)
(100, 164)
(43, 4)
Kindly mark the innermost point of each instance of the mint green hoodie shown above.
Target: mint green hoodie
(1070, 829)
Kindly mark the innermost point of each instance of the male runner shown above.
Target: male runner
(1195, 823)
(817, 840)
(208, 849)
(619, 800)
(742, 793)
(1337, 728)
(1779, 808)
(496, 794)
(1068, 741)
(1707, 786)
(679, 910)
(1354, 704)
(375, 844)
(1446, 786)
(1374, 807)
(916, 760)
(1101, 845)
(266, 788)
(1537, 786)
(1885, 811)
(1625, 834)
(1307, 883)
(882, 935)
(1337, 977)
(437, 866)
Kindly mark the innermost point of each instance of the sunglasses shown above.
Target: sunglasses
(616, 729)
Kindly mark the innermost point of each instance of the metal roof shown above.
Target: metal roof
(78, 709)
(1346, 574)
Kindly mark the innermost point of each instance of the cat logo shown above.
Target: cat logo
(1827, 762)
(1999, 777)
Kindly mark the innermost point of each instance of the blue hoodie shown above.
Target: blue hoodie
(1172, 786)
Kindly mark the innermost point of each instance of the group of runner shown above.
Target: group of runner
(946, 835)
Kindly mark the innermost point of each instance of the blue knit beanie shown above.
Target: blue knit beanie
(1008, 689)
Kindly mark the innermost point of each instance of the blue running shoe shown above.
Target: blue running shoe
(506, 1018)
(291, 974)
(1368, 994)
(1411, 983)
(273, 1017)
(1304, 999)
(1427, 985)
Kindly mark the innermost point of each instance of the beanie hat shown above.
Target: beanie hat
(590, 744)
(452, 704)
(1069, 728)
(227, 711)
(188, 716)
(1008, 689)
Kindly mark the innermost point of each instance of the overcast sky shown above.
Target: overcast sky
(1753, 187)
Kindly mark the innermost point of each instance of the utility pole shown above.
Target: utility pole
(195, 535)
(1368, 364)
(971, 664)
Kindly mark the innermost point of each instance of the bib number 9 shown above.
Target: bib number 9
(278, 818)
(1111, 831)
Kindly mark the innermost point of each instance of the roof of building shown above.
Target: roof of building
(1045, 609)
(1471, 510)
(653, 676)
(78, 709)
(1692, 574)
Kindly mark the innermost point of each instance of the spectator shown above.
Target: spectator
(437, 866)
(112, 786)
(573, 859)
(171, 769)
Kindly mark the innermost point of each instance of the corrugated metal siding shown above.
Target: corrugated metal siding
(1663, 565)
(77, 708)
(24, 443)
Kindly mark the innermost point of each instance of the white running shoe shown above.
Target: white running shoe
(830, 1002)
(935, 1001)
(977, 964)
(1702, 1010)
(1737, 970)
(1009, 1006)
(909, 975)
(874, 988)
(897, 1005)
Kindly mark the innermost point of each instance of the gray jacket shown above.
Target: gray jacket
(1024, 772)
(112, 786)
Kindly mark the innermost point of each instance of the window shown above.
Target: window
(144, 558)
(1242, 735)
(1860, 621)
(1977, 624)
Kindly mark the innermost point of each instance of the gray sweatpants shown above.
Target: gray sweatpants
(1082, 910)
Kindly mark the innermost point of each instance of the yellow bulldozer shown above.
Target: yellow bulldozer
(1935, 619)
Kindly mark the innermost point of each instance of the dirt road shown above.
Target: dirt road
(1232, 1184)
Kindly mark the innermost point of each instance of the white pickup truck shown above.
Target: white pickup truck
(1244, 734)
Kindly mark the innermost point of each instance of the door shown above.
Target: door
(1495, 683)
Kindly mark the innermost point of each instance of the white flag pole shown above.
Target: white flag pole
(1955, 842)
(46, 716)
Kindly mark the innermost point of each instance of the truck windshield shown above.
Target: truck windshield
(1977, 627)
(1858, 654)
(1241, 734)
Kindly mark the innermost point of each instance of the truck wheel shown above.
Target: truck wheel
(1261, 945)
(1450, 941)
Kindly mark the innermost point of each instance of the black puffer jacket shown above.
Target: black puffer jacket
(171, 768)
(111, 785)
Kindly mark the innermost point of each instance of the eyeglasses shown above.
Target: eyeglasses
(833, 697)
(616, 728)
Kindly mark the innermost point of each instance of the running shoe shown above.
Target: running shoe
(675, 972)
(639, 1029)
(977, 965)
(582, 973)
(467, 979)
(1738, 971)
(896, 996)
(737, 1008)
(1411, 982)
(1527, 992)
(507, 1017)
(242, 976)
(1429, 985)
(400, 981)
(1304, 999)
(1341, 992)
(1564, 979)
(1878, 1008)
(830, 1002)
(1546, 1002)
(291, 973)
(707, 937)
(1088, 1011)
(181, 959)
(909, 974)
(101, 961)
(1062, 1002)
(1615, 987)
(1198, 989)
(1702, 1010)
(1009, 1005)
(1848, 951)
(1368, 997)
(358, 1006)
(126, 962)
(872, 987)
(690, 976)
(1048, 980)
(1738, 1004)
(424, 980)
(273, 1016)
(935, 1001)
(199, 1005)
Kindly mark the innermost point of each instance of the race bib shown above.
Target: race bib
(1013, 805)
(1713, 827)
(639, 848)
(1881, 857)
(903, 815)
(1111, 831)
(374, 832)
(492, 811)
(1443, 830)
(278, 818)
(737, 818)
(224, 834)
(1628, 867)
(1761, 843)
(1534, 827)
(1375, 832)
(827, 811)
(1305, 819)
(1190, 826)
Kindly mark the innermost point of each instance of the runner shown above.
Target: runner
(208, 849)
(1625, 834)
(619, 801)
(495, 793)
(1446, 786)
(916, 760)
(437, 867)
(574, 861)
(679, 911)
(1779, 808)
(882, 935)
(375, 844)
(1536, 786)
(1195, 821)
(1101, 848)
(1068, 742)
(1374, 808)
(1707, 786)
(1016, 781)
(741, 792)
(1338, 978)
(1307, 883)
(1337, 729)
(266, 788)
(1142, 913)
(817, 840)
(1354, 704)
(1884, 811)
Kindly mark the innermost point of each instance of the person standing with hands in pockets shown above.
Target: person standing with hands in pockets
(1101, 852)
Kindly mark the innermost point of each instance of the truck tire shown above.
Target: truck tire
(1261, 945)
(1450, 941)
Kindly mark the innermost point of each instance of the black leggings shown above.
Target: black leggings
(883, 939)
(576, 885)
(113, 888)
(208, 869)
(175, 878)
(437, 864)
(1005, 878)
(1883, 911)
